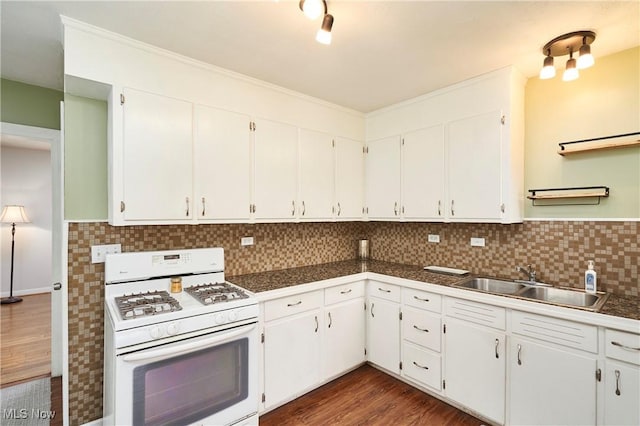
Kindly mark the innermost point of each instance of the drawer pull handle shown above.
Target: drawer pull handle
(497, 343)
(372, 305)
(316, 318)
(421, 366)
(422, 300)
(330, 320)
(421, 329)
(294, 304)
(620, 345)
(519, 352)
(618, 382)
(385, 290)
(345, 291)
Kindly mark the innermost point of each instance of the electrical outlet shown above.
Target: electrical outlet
(246, 241)
(99, 253)
(477, 242)
(434, 238)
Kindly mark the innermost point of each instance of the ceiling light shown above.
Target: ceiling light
(548, 70)
(566, 44)
(312, 9)
(324, 33)
(571, 72)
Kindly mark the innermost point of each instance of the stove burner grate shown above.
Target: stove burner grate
(211, 293)
(146, 304)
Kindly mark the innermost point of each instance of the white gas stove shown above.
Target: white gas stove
(204, 327)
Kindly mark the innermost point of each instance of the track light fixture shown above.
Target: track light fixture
(568, 44)
(312, 9)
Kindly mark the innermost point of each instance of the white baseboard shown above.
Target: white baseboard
(97, 422)
(27, 292)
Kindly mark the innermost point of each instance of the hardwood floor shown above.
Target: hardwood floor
(367, 396)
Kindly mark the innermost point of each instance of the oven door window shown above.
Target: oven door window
(189, 387)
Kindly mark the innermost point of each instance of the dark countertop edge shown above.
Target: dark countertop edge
(617, 306)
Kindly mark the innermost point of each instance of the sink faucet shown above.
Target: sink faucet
(529, 271)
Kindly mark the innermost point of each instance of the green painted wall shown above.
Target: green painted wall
(29, 105)
(85, 157)
(604, 101)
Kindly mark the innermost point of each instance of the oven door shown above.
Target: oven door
(206, 380)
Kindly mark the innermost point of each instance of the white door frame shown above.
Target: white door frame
(59, 237)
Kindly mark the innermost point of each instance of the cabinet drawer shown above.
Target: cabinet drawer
(290, 305)
(421, 365)
(384, 291)
(478, 313)
(422, 299)
(421, 328)
(343, 292)
(562, 332)
(622, 346)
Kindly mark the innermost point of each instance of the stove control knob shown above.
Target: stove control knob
(172, 329)
(156, 332)
(221, 318)
(233, 315)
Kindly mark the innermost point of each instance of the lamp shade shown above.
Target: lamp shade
(14, 214)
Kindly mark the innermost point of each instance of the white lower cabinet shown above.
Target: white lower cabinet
(383, 326)
(474, 358)
(621, 378)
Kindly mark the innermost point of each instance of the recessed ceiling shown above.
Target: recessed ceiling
(382, 52)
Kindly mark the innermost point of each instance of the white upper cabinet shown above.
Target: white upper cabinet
(349, 187)
(316, 175)
(156, 158)
(474, 169)
(383, 178)
(222, 165)
(423, 174)
(276, 169)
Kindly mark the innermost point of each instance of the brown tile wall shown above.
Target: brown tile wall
(559, 251)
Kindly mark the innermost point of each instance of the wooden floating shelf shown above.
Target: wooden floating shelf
(567, 193)
(607, 142)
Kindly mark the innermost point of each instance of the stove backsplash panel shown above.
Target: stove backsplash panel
(559, 251)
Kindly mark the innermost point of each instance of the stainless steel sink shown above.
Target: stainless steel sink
(565, 297)
(491, 285)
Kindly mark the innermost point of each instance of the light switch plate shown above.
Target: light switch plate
(246, 241)
(434, 238)
(99, 253)
(477, 242)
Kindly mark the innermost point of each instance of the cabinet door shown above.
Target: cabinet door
(349, 179)
(316, 175)
(344, 342)
(475, 368)
(275, 177)
(291, 356)
(383, 334)
(621, 394)
(157, 157)
(423, 174)
(562, 382)
(222, 164)
(474, 164)
(383, 178)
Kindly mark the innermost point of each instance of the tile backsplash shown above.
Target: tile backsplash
(559, 250)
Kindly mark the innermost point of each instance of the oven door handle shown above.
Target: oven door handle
(164, 352)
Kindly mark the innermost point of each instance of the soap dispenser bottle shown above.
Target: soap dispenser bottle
(590, 278)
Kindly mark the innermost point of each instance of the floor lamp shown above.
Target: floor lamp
(13, 215)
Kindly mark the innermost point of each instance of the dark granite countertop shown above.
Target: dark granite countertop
(616, 305)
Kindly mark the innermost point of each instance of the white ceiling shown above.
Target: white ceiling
(383, 52)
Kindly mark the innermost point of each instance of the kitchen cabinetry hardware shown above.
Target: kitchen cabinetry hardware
(402, 209)
(57, 286)
(187, 202)
(293, 208)
(497, 344)
(304, 209)
(439, 209)
(420, 329)
(395, 208)
(502, 207)
(599, 375)
(597, 192)
(204, 209)
(503, 120)
(339, 209)
(519, 353)
(262, 339)
(121, 206)
(345, 291)
(384, 289)
(330, 320)
(453, 213)
(372, 314)
(620, 345)
(420, 299)
(400, 365)
(121, 99)
(400, 315)
(606, 142)
(420, 366)
(618, 382)
(317, 324)
(263, 398)
(299, 302)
